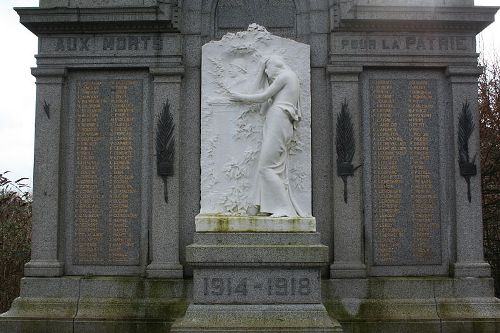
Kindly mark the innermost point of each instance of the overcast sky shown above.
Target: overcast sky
(17, 87)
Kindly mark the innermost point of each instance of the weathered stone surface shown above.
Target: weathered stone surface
(228, 223)
(279, 16)
(76, 304)
(412, 304)
(249, 318)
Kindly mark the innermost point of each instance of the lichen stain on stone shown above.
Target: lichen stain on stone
(222, 223)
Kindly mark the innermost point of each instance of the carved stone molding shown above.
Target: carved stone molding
(87, 20)
(348, 16)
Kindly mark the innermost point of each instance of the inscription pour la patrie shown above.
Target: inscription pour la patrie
(405, 149)
(412, 43)
(107, 196)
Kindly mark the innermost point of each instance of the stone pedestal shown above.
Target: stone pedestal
(255, 282)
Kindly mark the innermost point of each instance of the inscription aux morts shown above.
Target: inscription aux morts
(405, 43)
(110, 43)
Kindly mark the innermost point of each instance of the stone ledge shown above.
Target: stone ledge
(256, 238)
(44, 268)
(227, 223)
(302, 255)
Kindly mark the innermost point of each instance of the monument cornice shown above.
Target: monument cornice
(177, 70)
(42, 21)
(49, 71)
(413, 18)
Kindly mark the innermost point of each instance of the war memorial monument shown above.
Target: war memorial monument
(256, 166)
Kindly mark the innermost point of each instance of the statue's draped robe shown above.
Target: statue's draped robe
(272, 192)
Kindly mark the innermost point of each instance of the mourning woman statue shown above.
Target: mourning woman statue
(279, 94)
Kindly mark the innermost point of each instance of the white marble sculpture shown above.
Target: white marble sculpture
(278, 90)
(256, 126)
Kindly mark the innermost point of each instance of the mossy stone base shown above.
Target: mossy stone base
(413, 305)
(95, 304)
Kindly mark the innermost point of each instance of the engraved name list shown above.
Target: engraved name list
(107, 172)
(405, 155)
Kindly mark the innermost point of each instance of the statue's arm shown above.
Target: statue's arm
(272, 90)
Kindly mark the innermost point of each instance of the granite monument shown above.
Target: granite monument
(150, 211)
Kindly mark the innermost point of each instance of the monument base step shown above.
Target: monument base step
(119, 304)
(68, 326)
(96, 304)
(413, 304)
(256, 318)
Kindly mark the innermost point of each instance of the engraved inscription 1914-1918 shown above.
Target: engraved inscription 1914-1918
(405, 171)
(107, 172)
(278, 286)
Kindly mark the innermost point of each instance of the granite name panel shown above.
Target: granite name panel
(406, 221)
(107, 164)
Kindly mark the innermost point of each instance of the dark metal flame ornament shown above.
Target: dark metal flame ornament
(346, 146)
(46, 108)
(466, 127)
(165, 146)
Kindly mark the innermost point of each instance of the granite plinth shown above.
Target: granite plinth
(228, 223)
(257, 282)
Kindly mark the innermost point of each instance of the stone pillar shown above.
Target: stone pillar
(45, 257)
(468, 215)
(347, 216)
(164, 235)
